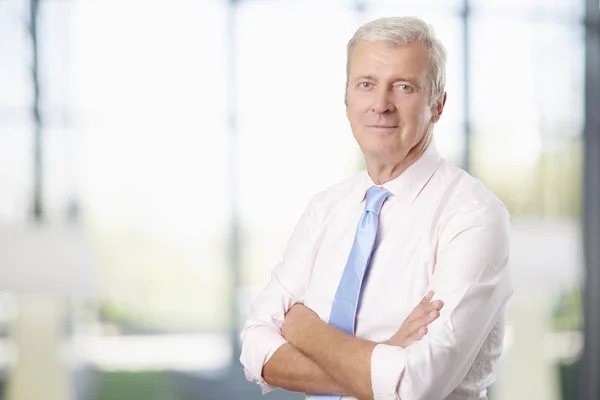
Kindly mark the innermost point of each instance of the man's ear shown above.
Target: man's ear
(438, 108)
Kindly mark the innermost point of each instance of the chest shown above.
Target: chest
(398, 276)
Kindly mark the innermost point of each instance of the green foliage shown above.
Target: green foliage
(135, 386)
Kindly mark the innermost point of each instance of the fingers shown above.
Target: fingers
(415, 337)
(425, 320)
(424, 307)
(427, 297)
(418, 327)
(426, 300)
(419, 333)
(414, 328)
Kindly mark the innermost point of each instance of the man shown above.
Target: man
(333, 319)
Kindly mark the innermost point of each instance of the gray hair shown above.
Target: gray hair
(400, 31)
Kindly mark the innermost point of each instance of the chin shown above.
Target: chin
(378, 151)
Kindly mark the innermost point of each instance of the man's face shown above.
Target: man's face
(388, 98)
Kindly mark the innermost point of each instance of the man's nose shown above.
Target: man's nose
(382, 101)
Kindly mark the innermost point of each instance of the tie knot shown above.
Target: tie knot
(376, 196)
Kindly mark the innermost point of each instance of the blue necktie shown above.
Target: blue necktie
(346, 300)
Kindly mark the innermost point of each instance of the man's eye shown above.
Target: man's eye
(365, 85)
(405, 88)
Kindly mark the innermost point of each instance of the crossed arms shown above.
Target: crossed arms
(315, 347)
(286, 345)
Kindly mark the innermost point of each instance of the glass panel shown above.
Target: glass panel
(527, 114)
(527, 117)
(15, 73)
(16, 117)
(147, 100)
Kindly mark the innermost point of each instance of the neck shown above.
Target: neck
(382, 171)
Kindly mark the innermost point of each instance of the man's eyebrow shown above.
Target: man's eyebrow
(406, 79)
(413, 81)
(367, 77)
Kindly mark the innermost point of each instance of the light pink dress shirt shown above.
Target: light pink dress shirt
(442, 230)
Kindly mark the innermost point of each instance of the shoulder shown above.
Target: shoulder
(467, 193)
(467, 203)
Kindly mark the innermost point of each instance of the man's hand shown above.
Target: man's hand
(295, 319)
(414, 326)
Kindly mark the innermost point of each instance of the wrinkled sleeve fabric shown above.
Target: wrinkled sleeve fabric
(472, 278)
(261, 335)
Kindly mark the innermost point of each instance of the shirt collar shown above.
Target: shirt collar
(407, 186)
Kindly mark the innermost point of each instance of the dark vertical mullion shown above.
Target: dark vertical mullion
(590, 384)
(235, 224)
(38, 209)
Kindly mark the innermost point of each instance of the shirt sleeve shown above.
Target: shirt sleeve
(471, 277)
(261, 335)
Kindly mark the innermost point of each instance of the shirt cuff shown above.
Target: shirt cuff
(259, 346)
(388, 364)
(264, 386)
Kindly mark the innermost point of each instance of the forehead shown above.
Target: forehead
(410, 59)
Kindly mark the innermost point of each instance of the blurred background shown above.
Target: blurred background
(143, 142)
